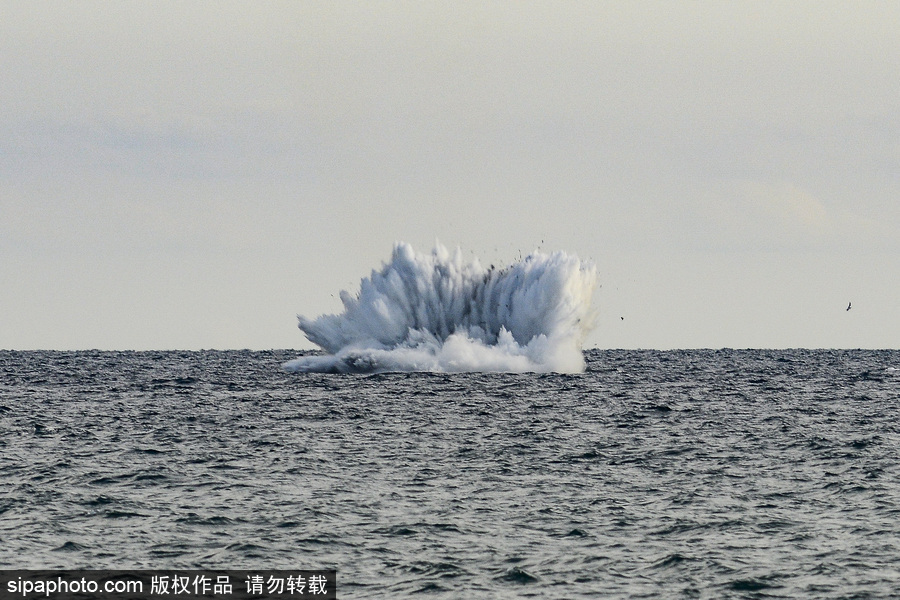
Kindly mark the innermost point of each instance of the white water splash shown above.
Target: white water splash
(435, 312)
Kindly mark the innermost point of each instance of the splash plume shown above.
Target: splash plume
(437, 312)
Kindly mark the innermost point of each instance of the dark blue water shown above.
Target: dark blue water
(698, 474)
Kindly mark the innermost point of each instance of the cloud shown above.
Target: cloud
(786, 207)
(200, 131)
(781, 215)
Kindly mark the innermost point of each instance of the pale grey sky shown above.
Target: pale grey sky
(193, 174)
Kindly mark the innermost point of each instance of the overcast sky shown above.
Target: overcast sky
(193, 175)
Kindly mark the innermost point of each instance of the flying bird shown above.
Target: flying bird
(849, 304)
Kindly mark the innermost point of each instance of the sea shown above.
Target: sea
(650, 474)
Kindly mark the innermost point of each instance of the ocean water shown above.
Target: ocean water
(683, 474)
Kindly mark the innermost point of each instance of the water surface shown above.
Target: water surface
(685, 474)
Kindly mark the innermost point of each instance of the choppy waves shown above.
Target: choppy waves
(681, 474)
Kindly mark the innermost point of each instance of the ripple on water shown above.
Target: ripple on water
(743, 474)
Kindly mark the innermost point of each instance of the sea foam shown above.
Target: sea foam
(438, 312)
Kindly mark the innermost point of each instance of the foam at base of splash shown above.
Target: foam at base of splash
(435, 312)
